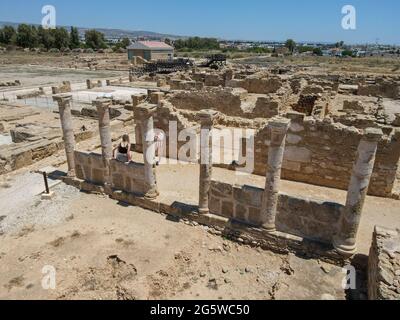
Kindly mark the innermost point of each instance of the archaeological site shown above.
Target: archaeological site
(264, 177)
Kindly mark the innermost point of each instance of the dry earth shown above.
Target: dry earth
(102, 249)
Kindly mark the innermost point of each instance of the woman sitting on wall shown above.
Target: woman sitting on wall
(122, 153)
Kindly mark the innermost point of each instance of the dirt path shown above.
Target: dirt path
(104, 250)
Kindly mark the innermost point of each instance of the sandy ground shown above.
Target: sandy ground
(102, 249)
(31, 75)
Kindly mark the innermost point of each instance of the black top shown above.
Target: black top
(123, 150)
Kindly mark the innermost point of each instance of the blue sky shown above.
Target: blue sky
(302, 20)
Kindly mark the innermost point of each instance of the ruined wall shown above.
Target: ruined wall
(382, 87)
(126, 177)
(64, 88)
(90, 167)
(254, 84)
(220, 100)
(266, 107)
(323, 153)
(165, 115)
(384, 265)
(176, 84)
(298, 216)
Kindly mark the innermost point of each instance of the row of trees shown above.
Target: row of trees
(197, 43)
(28, 36)
(292, 46)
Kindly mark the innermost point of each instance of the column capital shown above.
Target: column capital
(102, 103)
(145, 110)
(373, 134)
(279, 124)
(207, 117)
(62, 99)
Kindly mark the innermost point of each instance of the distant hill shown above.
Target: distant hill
(111, 33)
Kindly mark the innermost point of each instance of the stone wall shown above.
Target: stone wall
(224, 101)
(127, 177)
(64, 88)
(382, 87)
(163, 117)
(90, 167)
(323, 153)
(303, 217)
(253, 84)
(384, 265)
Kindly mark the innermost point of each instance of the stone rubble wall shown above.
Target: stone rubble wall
(316, 220)
(384, 88)
(64, 88)
(90, 167)
(129, 178)
(165, 114)
(256, 85)
(384, 265)
(229, 102)
(323, 153)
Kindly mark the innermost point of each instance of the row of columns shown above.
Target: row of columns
(145, 112)
(345, 239)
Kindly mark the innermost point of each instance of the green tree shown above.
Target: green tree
(339, 44)
(318, 51)
(74, 41)
(61, 38)
(8, 35)
(291, 45)
(347, 53)
(27, 36)
(46, 38)
(197, 43)
(95, 39)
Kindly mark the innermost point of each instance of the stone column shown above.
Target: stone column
(206, 120)
(103, 111)
(64, 107)
(345, 241)
(144, 113)
(278, 127)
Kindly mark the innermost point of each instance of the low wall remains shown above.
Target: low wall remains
(384, 265)
(323, 153)
(312, 219)
(128, 177)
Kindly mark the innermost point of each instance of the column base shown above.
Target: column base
(269, 228)
(344, 249)
(204, 211)
(71, 174)
(151, 195)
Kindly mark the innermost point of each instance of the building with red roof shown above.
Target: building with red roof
(151, 50)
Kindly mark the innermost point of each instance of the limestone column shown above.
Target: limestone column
(64, 107)
(278, 127)
(345, 242)
(206, 120)
(103, 111)
(145, 114)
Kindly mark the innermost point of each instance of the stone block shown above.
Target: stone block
(241, 212)
(97, 176)
(297, 154)
(227, 209)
